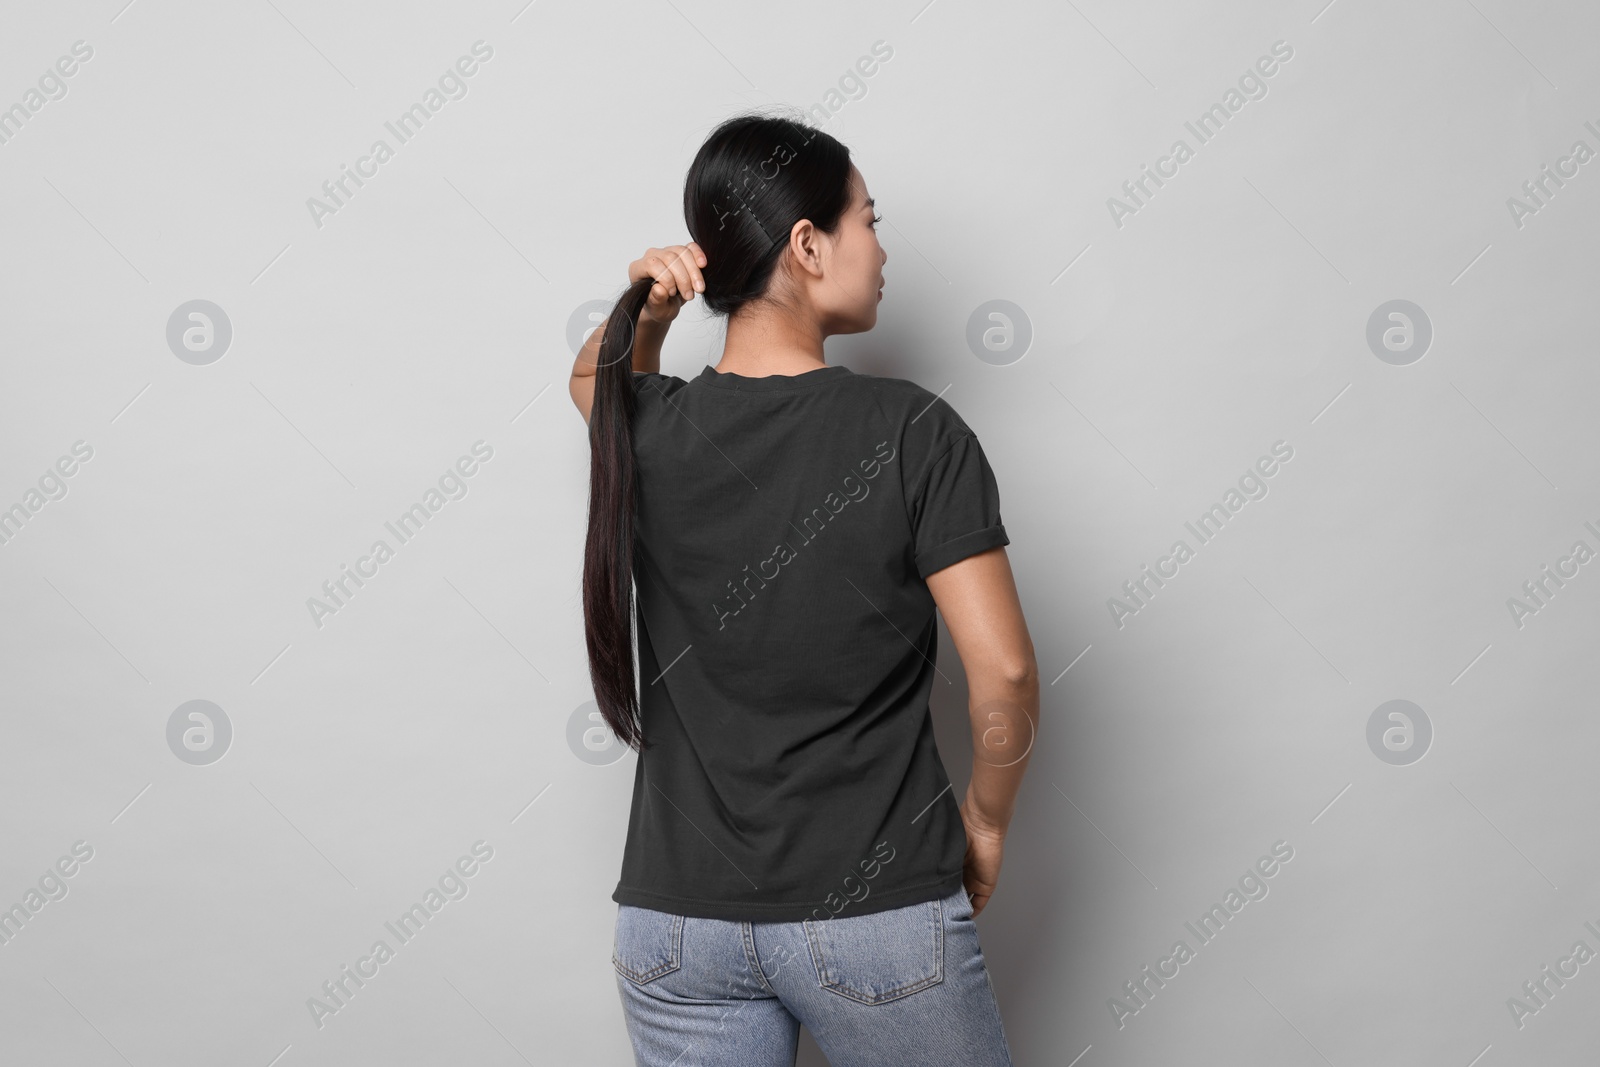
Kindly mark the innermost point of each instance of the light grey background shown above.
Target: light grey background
(1169, 353)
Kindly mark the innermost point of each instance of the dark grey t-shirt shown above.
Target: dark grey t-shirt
(787, 641)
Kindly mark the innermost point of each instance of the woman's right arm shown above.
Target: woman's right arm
(978, 598)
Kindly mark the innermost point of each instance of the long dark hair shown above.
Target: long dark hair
(752, 180)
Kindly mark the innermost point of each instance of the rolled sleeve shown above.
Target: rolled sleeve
(956, 511)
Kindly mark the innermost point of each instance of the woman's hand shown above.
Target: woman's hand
(985, 848)
(676, 270)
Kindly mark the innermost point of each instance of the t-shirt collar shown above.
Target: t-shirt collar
(738, 382)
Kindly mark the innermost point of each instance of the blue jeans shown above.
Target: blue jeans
(903, 986)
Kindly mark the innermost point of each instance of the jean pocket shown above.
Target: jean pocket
(883, 956)
(648, 943)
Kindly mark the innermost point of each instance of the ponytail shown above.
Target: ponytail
(608, 556)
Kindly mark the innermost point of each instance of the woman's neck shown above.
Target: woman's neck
(770, 341)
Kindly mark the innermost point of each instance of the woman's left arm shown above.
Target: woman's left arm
(647, 338)
(676, 270)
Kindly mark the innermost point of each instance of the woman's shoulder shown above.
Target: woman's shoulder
(654, 383)
(918, 409)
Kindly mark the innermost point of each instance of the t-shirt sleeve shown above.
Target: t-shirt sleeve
(955, 512)
(653, 394)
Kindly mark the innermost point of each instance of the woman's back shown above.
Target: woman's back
(787, 641)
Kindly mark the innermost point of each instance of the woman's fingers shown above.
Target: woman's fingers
(678, 264)
(697, 260)
(659, 269)
(676, 270)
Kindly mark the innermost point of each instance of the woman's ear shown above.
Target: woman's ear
(805, 245)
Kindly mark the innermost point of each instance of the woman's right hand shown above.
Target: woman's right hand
(676, 270)
(985, 849)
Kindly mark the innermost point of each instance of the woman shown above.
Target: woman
(795, 853)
